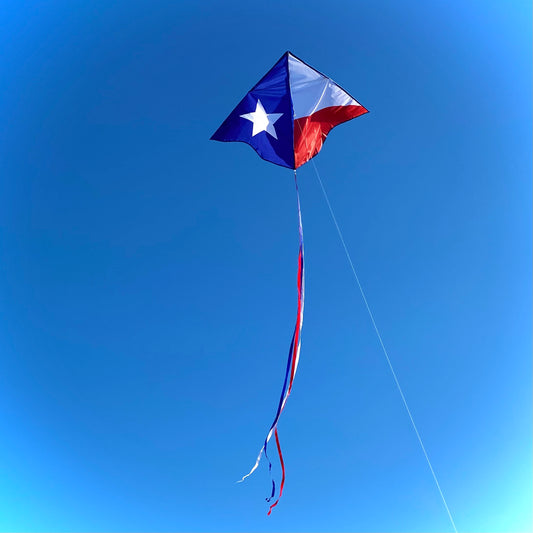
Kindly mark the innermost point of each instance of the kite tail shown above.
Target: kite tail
(296, 339)
(282, 484)
(292, 365)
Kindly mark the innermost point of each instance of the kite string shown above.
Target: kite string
(383, 345)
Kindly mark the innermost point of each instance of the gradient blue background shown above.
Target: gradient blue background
(148, 275)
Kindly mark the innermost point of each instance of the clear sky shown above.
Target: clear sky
(148, 275)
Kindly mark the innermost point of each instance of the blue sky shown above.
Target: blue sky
(148, 274)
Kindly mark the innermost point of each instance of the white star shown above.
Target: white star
(262, 120)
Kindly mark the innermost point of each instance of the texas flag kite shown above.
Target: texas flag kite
(286, 117)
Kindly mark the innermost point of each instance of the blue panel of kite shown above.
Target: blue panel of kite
(263, 119)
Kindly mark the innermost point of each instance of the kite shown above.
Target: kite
(286, 118)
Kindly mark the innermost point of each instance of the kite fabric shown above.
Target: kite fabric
(286, 118)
